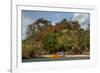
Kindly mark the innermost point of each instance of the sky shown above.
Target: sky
(29, 16)
(51, 16)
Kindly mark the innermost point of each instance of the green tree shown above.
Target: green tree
(26, 48)
(50, 42)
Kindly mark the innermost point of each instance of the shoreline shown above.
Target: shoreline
(65, 58)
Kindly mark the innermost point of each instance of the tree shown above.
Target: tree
(37, 48)
(85, 39)
(64, 40)
(75, 25)
(65, 36)
(50, 42)
(37, 26)
(26, 48)
(64, 21)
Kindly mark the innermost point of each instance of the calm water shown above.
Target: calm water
(52, 59)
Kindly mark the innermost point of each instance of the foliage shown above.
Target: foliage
(50, 42)
(65, 36)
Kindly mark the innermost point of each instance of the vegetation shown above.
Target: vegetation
(45, 38)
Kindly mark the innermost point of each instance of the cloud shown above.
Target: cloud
(82, 18)
(26, 20)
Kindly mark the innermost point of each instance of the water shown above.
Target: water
(54, 59)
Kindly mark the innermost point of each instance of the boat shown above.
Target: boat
(55, 56)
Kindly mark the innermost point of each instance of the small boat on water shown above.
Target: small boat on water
(55, 56)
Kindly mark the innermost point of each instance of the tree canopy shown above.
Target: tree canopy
(65, 36)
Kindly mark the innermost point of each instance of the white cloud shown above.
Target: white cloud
(25, 22)
(82, 18)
